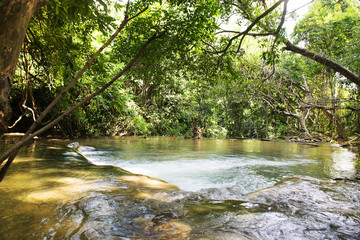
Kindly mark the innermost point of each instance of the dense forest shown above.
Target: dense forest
(183, 68)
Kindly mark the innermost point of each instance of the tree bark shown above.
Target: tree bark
(14, 20)
(351, 76)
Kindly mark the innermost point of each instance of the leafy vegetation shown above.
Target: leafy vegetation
(197, 79)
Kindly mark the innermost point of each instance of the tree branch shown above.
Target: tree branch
(86, 66)
(12, 152)
(351, 76)
(249, 28)
(14, 149)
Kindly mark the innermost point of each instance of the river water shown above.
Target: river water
(174, 188)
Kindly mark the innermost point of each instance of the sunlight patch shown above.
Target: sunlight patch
(148, 182)
(71, 188)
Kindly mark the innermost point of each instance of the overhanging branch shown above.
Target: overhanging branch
(351, 76)
(14, 149)
(246, 32)
(12, 152)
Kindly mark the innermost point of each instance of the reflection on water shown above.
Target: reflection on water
(340, 165)
(52, 192)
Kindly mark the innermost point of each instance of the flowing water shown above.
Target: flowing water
(174, 188)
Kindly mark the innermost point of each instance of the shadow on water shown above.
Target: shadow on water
(52, 192)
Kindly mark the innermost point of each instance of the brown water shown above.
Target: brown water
(52, 192)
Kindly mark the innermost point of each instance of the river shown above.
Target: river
(175, 188)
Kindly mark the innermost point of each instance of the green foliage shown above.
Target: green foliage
(178, 85)
(358, 162)
(332, 28)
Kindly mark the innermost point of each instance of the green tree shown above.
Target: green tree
(331, 33)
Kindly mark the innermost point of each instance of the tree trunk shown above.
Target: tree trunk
(14, 20)
(302, 120)
(196, 129)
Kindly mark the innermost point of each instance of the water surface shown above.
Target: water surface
(230, 189)
(217, 163)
